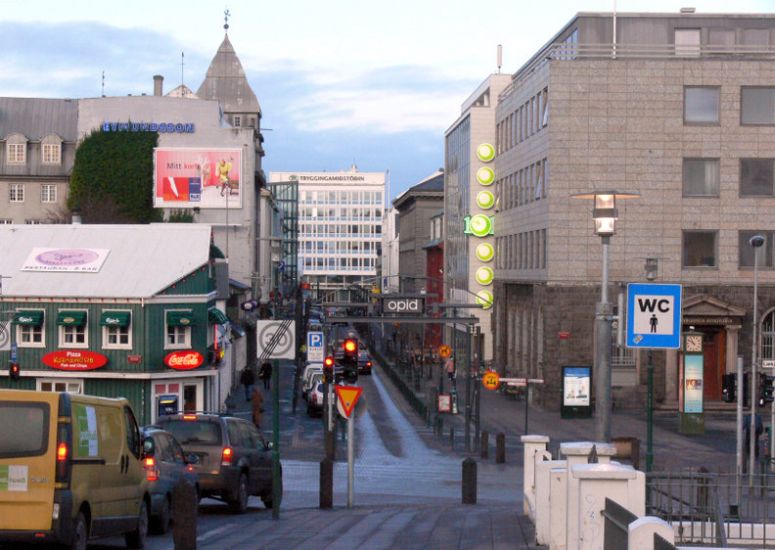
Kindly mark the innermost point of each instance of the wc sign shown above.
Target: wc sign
(653, 316)
(402, 305)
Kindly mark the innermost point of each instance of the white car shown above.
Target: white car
(315, 399)
(313, 381)
(309, 370)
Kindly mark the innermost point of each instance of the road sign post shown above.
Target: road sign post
(347, 397)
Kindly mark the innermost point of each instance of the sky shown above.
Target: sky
(339, 82)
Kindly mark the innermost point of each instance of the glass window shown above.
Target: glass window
(48, 193)
(757, 105)
(687, 42)
(23, 429)
(72, 335)
(699, 248)
(29, 336)
(746, 251)
(177, 336)
(116, 337)
(16, 192)
(701, 104)
(52, 153)
(756, 177)
(16, 153)
(701, 177)
(767, 333)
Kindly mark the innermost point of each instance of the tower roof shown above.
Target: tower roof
(226, 82)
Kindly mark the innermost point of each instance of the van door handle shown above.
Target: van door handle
(124, 464)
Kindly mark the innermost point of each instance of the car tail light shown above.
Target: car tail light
(189, 417)
(151, 473)
(226, 456)
(63, 445)
(62, 451)
(368, 364)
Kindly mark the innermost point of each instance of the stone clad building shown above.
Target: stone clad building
(679, 108)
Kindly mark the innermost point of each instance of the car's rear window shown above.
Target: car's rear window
(194, 432)
(23, 429)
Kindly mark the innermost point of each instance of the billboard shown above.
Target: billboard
(197, 178)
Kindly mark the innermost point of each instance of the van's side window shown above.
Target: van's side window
(132, 433)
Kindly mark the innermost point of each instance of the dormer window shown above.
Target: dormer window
(51, 149)
(237, 121)
(16, 153)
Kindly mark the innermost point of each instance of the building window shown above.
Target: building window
(756, 177)
(757, 105)
(72, 336)
(16, 192)
(701, 177)
(701, 104)
(746, 251)
(177, 337)
(70, 386)
(178, 329)
(237, 121)
(48, 193)
(16, 153)
(687, 42)
(116, 333)
(52, 153)
(767, 332)
(699, 248)
(6, 221)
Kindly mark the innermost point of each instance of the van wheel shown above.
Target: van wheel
(80, 533)
(161, 523)
(239, 504)
(136, 538)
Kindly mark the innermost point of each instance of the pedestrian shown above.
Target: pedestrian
(265, 374)
(258, 407)
(449, 366)
(247, 379)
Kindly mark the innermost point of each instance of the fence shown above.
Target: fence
(714, 508)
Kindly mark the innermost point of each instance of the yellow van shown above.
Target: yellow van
(70, 469)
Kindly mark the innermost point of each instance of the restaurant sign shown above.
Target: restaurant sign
(184, 360)
(74, 360)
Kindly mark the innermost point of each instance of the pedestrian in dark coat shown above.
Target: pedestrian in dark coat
(265, 374)
(247, 379)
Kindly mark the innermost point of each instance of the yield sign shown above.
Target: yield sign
(348, 397)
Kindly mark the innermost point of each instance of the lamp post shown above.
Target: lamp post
(652, 270)
(605, 215)
(756, 243)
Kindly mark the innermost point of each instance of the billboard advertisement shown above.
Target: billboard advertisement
(576, 392)
(197, 178)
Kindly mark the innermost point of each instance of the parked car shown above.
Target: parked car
(315, 400)
(165, 465)
(314, 380)
(234, 459)
(73, 469)
(309, 370)
(364, 362)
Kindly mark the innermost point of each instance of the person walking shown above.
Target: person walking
(449, 366)
(247, 379)
(265, 374)
(258, 406)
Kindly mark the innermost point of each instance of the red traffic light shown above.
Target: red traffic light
(14, 372)
(328, 362)
(350, 345)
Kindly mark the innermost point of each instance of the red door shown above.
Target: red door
(713, 360)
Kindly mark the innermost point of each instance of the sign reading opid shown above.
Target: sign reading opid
(403, 305)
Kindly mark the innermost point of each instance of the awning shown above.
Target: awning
(71, 318)
(28, 318)
(115, 319)
(180, 318)
(216, 316)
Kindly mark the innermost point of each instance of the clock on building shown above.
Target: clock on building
(693, 343)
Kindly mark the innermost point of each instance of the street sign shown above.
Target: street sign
(768, 363)
(653, 316)
(348, 397)
(445, 351)
(315, 347)
(403, 305)
(281, 266)
(5, 336)
(285, 343)
(445, 403)
(490, 380)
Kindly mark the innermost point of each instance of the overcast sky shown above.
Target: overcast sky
(343, 81)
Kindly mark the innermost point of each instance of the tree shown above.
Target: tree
(112, 179)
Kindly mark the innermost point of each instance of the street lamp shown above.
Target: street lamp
(756, 243)
(605, 215)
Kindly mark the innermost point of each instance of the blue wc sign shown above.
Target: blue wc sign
(654, 316)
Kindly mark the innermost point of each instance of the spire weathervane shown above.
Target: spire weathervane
(226, 15)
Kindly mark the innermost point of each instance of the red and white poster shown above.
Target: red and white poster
(197, 178)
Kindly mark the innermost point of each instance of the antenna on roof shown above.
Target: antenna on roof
(226, 14)
(103, 83)
(500, 57)
(182, 83)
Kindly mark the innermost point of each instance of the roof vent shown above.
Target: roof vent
(687, 10)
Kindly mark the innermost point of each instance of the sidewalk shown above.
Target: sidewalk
(715, 449)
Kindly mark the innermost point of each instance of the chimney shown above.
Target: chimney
(158, 84)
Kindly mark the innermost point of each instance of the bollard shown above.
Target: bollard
(469, 481)
(326, 483)
(184, 509)
(485, 444)
(500, 448)
(452, 437)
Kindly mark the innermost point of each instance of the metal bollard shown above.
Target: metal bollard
(469, 481)
(485, 444)
(184, 510)
(452, 437)
(326, 483)
(500, 448)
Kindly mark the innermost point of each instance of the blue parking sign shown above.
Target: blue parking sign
(654, 316)
(315, 346)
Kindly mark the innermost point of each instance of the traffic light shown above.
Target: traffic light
(766, 389)
(350, 359)
(328, 370)
(729, 387)
(13, 370)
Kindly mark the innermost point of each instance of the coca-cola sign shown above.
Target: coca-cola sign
(74, 360)
(184, 360)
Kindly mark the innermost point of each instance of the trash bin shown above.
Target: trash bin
(627, 448)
